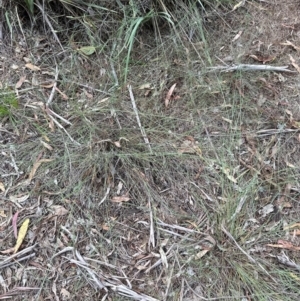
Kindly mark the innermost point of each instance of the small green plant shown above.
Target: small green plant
(29, 6)
(8, 101)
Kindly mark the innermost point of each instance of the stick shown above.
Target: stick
(248, 67)
(53, 88)
(138, 119)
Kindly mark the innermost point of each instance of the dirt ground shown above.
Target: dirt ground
(181, 184)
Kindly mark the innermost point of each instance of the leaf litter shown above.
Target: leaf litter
(192, 196)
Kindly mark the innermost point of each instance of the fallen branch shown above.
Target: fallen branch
(249, 67)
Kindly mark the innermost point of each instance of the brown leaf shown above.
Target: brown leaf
(288, 43)
(283, 244)
(48, 86)
(169, 95)
(8, 251)
(32, 67)
(263, 59)
(20, 82)
(63, 95)
(120, 199)
(237, 36)
(292, 226)
(293, 62)
(2, 187)
(59, 210)
(36, 165)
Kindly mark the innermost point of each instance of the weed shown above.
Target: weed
(8, 102)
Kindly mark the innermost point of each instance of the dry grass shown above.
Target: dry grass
(203, 211)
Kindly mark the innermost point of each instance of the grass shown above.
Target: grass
(193, 204)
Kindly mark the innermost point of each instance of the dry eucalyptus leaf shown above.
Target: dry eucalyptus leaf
(32, 67)
(20, 82)
(120, 199)
(2, 188)
(59, 210)
(169, 95)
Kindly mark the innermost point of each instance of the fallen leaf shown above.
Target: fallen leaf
(263, 59)
(296, 232)
(169, 95)
(87, 50)
(201, 254)
(295, 277)
(294, 64)
(238, 5)
(266, 210)
(295, 124)
(26, 59)
(59, 210)
(46, 145)
(120, 199)
(32, 67)
(48, 86)
(2, 187)
(8, 251)
(105, 227)
(288, 43)
(63, 95)
(145, 86)
(117, 144)
(20, 82)
(237, 36)
(22, 234)
(36, 165)
(283, 244)
(226, 171)
(190, 146)
(292, 226)
(227, 120)
(163, 257)
(18, 199)
(65, 294)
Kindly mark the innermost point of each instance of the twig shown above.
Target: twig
(176, 234)
(49, 111)
(67, 249)
(138, 119)
(151, 237)
(61, 127)
(15, 258)
(249, 67)
(105, 196)
(84, 265)
(284, 259)
(180, 228)
(269, 132)
(53, 88)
